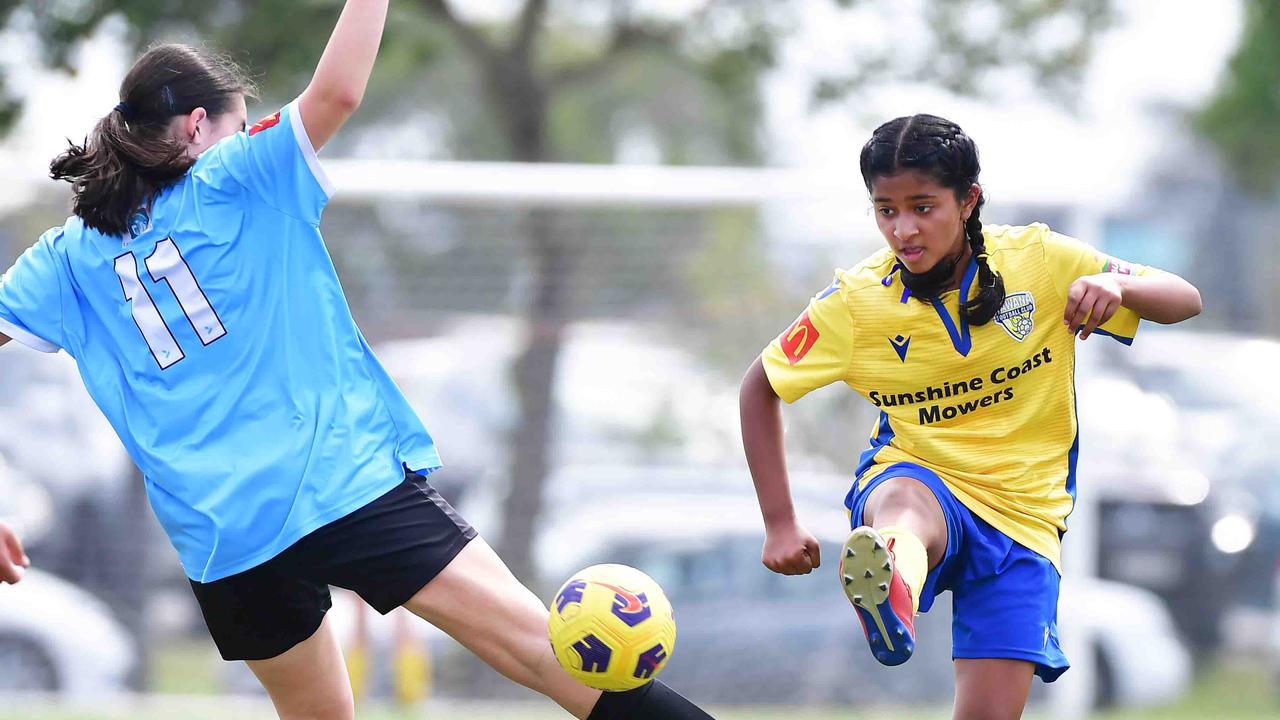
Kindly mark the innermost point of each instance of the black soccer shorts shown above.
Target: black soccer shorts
(386, 552)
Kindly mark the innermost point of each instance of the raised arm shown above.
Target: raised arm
(338, 86)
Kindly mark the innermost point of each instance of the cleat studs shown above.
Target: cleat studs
(884, 587)
(868, 574)
(848, 580)
(848, 552)
(887, 566)
(901, 632)
(857, 599)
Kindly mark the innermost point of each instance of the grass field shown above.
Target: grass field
(1235, 693)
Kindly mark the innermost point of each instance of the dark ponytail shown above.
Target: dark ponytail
(131, 155)
(941, 150)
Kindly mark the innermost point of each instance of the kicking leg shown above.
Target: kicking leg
(884, 563)
(480, 603)
(308, 681)
(907, 503)
(991, 688)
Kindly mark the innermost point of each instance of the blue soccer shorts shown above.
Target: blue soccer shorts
(1004, 597)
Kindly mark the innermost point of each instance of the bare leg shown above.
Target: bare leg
(909, 503)
(308, 681)
(480, 603)
(991, 688)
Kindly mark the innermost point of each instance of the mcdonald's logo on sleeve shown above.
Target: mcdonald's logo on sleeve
(799, 339)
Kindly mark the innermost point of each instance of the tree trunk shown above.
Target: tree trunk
(520, 99)
(533, 373)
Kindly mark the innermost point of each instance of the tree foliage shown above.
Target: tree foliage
(1243, 118)
(598, 72)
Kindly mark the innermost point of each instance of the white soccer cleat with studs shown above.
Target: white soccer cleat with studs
(880, 595)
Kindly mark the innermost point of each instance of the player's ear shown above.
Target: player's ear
(970, 200)
(194, 126)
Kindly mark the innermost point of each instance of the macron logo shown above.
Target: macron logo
(900, 346)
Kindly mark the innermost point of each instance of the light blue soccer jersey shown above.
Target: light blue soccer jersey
(219, 345)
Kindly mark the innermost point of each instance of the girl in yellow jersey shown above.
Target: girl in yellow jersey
(964, 337)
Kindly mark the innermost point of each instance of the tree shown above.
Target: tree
(539, 79)
(1241, 119)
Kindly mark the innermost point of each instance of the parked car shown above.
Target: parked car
(747, 635)
(1139, 657)
(63, 467)
(1201, 520)
(620, 395)
(55, 637)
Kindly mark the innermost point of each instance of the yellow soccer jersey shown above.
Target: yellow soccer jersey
(990, 408)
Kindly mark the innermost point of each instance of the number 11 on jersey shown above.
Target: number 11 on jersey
(166, 263)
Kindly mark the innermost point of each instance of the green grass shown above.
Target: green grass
(1226, 693)
(1229, 692)
(186, 667)
(196, 708)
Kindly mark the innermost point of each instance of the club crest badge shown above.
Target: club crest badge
(1015, 315)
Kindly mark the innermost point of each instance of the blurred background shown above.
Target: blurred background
(568, 226)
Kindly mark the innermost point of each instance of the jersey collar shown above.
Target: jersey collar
(960, 338)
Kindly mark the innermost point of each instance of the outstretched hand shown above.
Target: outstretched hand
(791, 550)
(13, 560)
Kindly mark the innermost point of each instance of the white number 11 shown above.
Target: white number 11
(166, 263)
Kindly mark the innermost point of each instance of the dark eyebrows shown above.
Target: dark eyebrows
(922, 196)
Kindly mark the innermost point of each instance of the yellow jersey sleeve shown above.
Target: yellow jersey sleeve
(1069, 259)
(815, 350)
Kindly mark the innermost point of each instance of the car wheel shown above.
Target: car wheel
(24, 665)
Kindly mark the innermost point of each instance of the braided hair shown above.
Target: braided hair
(939, 149)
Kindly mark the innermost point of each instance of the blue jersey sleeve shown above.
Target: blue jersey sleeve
(275, 161)
(31, 298)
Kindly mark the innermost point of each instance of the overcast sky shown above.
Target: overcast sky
(1160, 53)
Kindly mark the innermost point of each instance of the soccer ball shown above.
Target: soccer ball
(611, 627)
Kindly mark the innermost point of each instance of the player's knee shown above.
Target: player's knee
(897, 497)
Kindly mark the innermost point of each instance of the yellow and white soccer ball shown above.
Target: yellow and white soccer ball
(611, 627)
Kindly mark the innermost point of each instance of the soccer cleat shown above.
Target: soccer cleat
(879, 594)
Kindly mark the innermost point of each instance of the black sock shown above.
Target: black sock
(653, 701)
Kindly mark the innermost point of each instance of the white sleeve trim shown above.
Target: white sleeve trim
(26, 338)
(308, 150)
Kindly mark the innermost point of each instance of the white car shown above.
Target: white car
(1138, 658)
(55, 637)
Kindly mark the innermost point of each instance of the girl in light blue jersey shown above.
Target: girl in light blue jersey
(194, 290)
